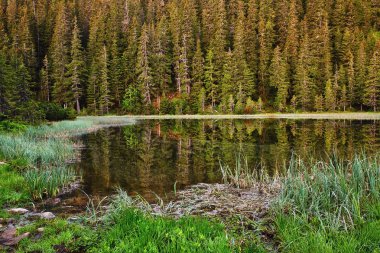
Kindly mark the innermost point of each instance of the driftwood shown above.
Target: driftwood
(220, 200)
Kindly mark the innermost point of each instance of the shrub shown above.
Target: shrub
(166, 106)
(54, 112)
(12, 127)
(131, 101)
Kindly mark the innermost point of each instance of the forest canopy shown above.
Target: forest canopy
(188, 56)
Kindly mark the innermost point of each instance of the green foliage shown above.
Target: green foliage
(266, 49)
(12, 187)
(12, 127)
(133, 231)
(57, 234)
(166, 106)
(55, 112)
(131, 101)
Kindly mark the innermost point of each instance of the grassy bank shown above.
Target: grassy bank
(331, 206)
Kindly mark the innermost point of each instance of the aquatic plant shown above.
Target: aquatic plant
(36, 151)
(334, 193)
(242, 175)
(48, 182)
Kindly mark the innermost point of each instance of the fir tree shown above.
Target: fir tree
(278, 79)
(372, 87)
(210, 80)
(76, 67)
(143, 67)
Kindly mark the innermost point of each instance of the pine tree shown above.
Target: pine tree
(361, 74)
(210, 80)
(197, 71)
(266, 39)
(304, 83)
(76, 67)
(351, 79)
(278, 79)
(183, 77)
(372, 88)
(116, 73)
(143, 67)
(6, 76)
(251, 42)
(104, 92)
(330, 97)
(162, 57)
(59, 54)
(227, 84)
(45, 81)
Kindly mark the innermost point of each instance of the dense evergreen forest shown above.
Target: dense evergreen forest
(188, 56)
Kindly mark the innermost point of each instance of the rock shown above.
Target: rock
(2, 221)
(47, 215)
(10, 221)
(40, 230)
(16, 240)
(18, 211)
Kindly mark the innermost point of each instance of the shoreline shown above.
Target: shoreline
(316, 116)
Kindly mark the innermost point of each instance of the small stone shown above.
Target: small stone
(16, 240)
(40, 230)
(47, 215)
(10, 221)
(18, 211)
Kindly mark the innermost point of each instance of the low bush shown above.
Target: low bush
(12, 127)
(54, 112)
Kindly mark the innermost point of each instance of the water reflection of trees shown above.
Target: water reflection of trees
(152, 156)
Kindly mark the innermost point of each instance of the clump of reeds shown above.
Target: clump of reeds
(332, 193)
(242, 175)
(36, 151)
(48, 182)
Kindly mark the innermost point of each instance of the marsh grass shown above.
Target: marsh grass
(48, 182)
(242, 175)
(37, 152)
(332, 193)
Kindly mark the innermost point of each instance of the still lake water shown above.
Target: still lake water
(152, 156)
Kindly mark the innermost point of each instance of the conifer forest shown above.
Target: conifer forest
(188, 56)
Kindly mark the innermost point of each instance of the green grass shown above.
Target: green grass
(12, 188)
(58, 235)
(329, 206)
(133, 231)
